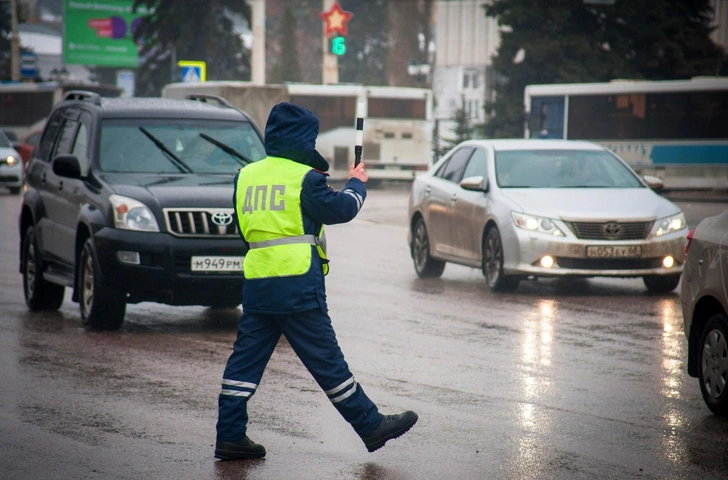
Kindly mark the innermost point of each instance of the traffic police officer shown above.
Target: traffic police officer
(281, 205)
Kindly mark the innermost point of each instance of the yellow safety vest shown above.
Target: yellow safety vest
(268, 207)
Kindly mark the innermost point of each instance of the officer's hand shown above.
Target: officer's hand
(358, 172)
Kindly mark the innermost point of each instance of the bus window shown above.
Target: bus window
(547, 117)
(601, 117)
(397, 108)
(333, 112)
(709, 114)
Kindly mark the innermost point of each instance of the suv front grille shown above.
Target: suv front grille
(201, 222)
(610, 230)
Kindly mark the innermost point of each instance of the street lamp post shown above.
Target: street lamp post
(14, 42)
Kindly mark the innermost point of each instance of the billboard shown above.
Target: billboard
(100, 32)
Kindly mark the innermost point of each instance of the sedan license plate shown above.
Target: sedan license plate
(607, 251)
(216, 264)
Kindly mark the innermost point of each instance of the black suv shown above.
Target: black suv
(130, 200)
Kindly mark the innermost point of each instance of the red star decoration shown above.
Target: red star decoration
(336, 20)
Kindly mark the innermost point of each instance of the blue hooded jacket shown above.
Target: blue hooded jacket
(291, 132)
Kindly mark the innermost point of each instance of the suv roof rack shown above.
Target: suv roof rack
(83, 95)
(206, 98)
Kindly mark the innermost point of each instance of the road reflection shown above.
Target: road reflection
(673, 376)
(536, 351)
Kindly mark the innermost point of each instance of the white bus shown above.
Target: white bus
(677, 130)
(398, 125)
(25, 106)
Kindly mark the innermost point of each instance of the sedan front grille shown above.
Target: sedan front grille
(610, 230)
(201, 222)
(608, 263)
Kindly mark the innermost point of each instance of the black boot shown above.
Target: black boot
(239, 449)
(392, 426)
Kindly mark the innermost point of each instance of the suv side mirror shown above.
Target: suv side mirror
(476, 184)
(655, 183)
(67, 165)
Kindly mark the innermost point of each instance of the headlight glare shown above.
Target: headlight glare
(11, 160)
(130, 214)
(670, 224)
(536, 224)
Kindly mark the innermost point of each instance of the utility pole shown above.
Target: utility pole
(14, 43)
(330, 63)
(257, 62)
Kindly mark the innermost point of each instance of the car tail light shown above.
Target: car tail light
(688, 240)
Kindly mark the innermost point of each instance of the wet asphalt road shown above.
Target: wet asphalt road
(558, 380)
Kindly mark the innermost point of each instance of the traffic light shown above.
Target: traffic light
(338, 45)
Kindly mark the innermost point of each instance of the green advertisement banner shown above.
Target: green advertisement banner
(101, 32)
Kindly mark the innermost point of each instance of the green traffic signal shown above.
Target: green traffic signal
(338, 45)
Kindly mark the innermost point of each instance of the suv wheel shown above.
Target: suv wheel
(39, 294)
(425, 265)
(661, 283)
(102, 306)
(493, 264)
(713, 352)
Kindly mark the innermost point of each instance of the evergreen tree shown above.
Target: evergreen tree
(197, 30)
(463, 127)
(288, 68)
(568, 41)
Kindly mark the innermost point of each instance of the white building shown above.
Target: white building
(465, 41)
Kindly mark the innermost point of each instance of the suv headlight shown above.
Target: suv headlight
(11, 160)
(536, 224)
(670, 224)
(130, 214)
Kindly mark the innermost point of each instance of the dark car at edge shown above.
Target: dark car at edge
(704, 302)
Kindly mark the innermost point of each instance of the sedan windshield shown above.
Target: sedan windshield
(562, 169)
(178, 146)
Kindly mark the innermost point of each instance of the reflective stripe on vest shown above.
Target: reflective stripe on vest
(307, 239)
(268, 208)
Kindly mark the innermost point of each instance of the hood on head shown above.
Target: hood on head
(291, 132)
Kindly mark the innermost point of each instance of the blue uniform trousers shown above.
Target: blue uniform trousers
(312, 337)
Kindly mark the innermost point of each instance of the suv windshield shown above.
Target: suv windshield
(129, 145)
(562, 169)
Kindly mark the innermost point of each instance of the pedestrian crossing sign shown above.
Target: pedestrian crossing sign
(193, 72)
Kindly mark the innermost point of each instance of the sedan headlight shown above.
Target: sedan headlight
(130, 214)
(11, 160)
(536, 224)
(670, 224)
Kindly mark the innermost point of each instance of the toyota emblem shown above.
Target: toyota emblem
(222, 218)
(612, 229)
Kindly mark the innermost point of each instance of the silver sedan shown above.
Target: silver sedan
(539, 208)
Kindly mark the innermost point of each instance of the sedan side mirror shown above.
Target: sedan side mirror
(475, 184)
(655, 183)
(67, 165)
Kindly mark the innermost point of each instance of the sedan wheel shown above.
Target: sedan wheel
(493, 264)
(714, 364)
(425, 265)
